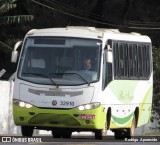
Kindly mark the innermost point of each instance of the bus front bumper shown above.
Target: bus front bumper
(60, 118)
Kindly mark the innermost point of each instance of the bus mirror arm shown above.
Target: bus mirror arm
(15, 52)
(2, 72)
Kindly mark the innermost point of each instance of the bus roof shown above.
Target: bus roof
(88, 32)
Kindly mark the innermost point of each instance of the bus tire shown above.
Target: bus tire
(131, 131)
(56, 134)
(119, 134)
(27, 131)
(101, 133)
(66, 134)
(61, 134)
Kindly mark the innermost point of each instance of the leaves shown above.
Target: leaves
(5, 6)
(156, 80)
(15, 19)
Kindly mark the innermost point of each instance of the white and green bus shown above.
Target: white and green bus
(53, 92)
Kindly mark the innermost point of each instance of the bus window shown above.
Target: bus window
(131, 60)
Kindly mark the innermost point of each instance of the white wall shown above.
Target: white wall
(6, 118)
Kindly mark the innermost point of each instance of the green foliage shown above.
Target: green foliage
(7, 38)
(15, 19)
(8, 45)
(156, 79)
(7, 5)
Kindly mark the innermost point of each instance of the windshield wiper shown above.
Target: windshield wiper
(43, 75)
(76, 74)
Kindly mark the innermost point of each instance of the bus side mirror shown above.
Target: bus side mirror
(15, 52)
(109, 57)
(14, 56)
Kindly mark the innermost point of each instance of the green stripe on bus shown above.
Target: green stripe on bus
(122, 120)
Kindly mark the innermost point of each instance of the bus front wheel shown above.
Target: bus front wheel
(61, 134)
(101, 134)
(27, 131)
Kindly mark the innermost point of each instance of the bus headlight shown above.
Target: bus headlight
(88, 106)
(22, 104)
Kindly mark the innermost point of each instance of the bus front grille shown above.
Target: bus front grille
(54, 119)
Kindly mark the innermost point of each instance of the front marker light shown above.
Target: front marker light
(80, 108)
(29, 106)
(88, 106)
(22, 104)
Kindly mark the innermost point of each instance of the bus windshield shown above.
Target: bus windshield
(65, 61)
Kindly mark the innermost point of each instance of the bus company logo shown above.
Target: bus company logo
(6, 139)
(54, 102)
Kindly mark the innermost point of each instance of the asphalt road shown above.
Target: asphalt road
(78, 140)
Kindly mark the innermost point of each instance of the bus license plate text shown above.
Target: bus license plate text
(87, 116)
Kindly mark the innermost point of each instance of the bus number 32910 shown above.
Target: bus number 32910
(66, 103)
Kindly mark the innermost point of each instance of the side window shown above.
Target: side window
(148, 60)
(131, 60)
(135, 60)
(144, 61)
(121, 59)
(131, 57)
(140, 62)
(144, 48)
(120, 55)
(107, 72)
(126, 60)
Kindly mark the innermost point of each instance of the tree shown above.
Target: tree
(156, 90)
(7, 5)
(5, 19)
(11, 28)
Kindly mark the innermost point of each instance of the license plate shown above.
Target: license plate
(87, 116)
